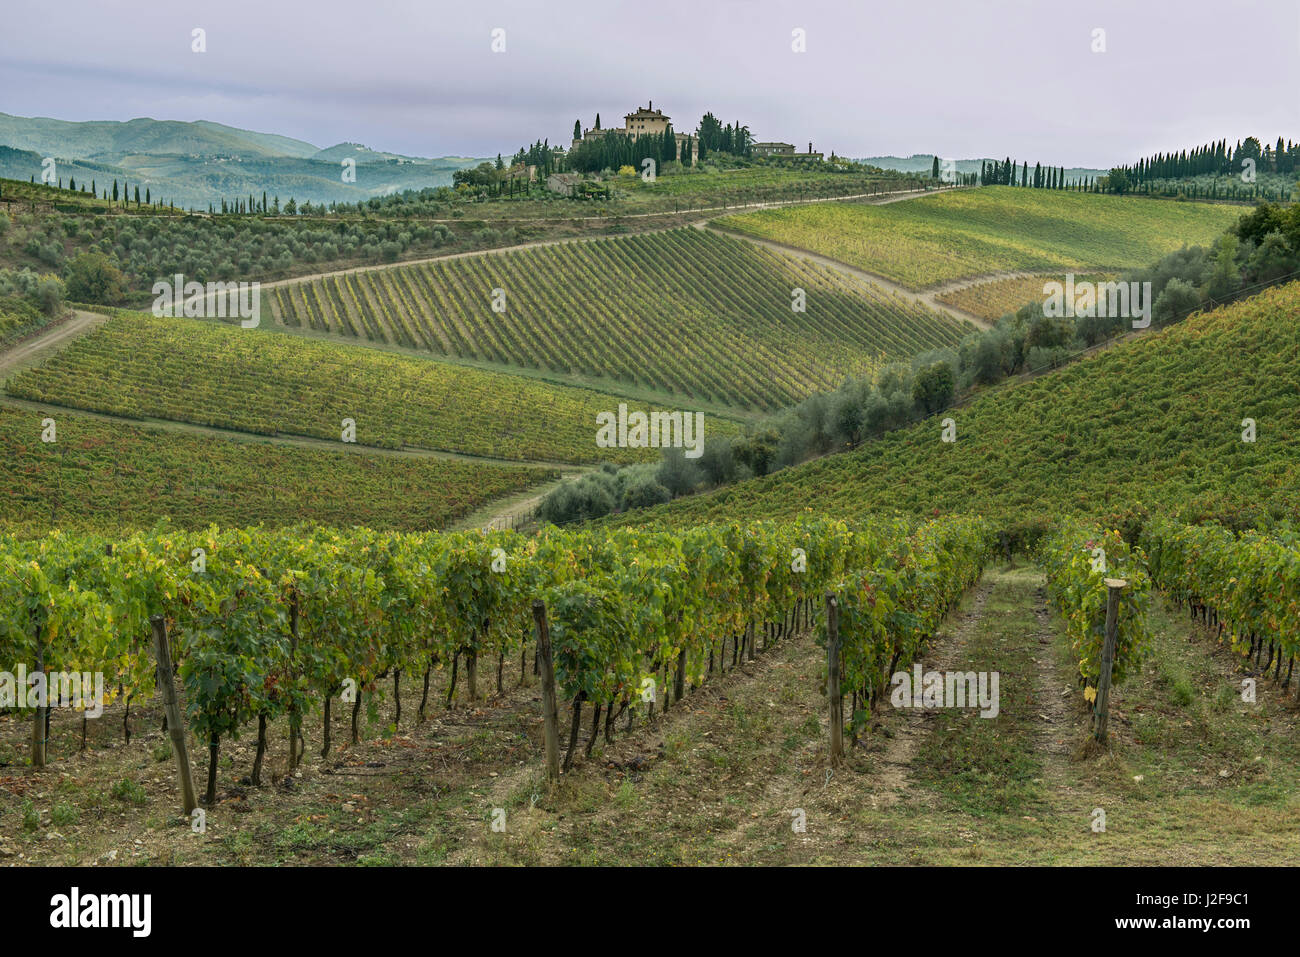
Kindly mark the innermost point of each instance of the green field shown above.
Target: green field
(953, 235)
(1154, 423)
(684, 312)
(106, 475)
(222, 376)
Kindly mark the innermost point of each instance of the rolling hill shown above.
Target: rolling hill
(193, 164)
(684, 312)
(965, 233)
(1152, 423)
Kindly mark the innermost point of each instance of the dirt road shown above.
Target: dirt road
(46, 341)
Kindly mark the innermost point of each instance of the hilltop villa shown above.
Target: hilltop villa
(643, 121)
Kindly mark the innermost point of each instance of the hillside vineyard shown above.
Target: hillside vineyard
(686, 312)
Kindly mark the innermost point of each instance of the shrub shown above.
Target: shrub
(93, 277)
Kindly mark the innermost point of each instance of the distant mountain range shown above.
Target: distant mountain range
(924, 162)
(198, 163)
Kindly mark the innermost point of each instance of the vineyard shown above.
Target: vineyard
(686, 312)
(1246, 587)
(968, 233)
(736, 187)
(991, 301)
(1078, 560)
(264, 625)
(106, 475)
(212, 374)
(1152, 424)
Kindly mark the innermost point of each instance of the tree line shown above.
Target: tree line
(1217, 159)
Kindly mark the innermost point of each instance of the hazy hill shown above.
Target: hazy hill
(198, 163)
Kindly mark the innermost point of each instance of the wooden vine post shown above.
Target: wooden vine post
(38, 723)
(175, 727)
(833, 678)
(550, 711)
(1101, 714)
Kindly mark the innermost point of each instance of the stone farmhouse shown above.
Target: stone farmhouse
(784, 150)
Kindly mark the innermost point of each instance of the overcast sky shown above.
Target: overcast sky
(963, 79)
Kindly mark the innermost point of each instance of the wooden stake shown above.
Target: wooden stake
(550, 710)
(833, 678)
(38, 724)
(1100, 712)
(175, 727)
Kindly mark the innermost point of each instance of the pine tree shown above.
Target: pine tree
(934, 169)
(115, 191)
(137, 195)
(597, 121)
(577, 129)
(147, 200)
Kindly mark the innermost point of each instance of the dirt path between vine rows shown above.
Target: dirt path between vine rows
(507, 512)
(909, 725)
(1056, 699)
(47, 340)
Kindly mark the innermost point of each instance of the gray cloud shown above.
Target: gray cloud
(958, 78)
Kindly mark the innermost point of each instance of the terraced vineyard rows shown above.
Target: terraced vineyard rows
(217, 375)
(964, 233)
(105, 475)
(687, 312)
